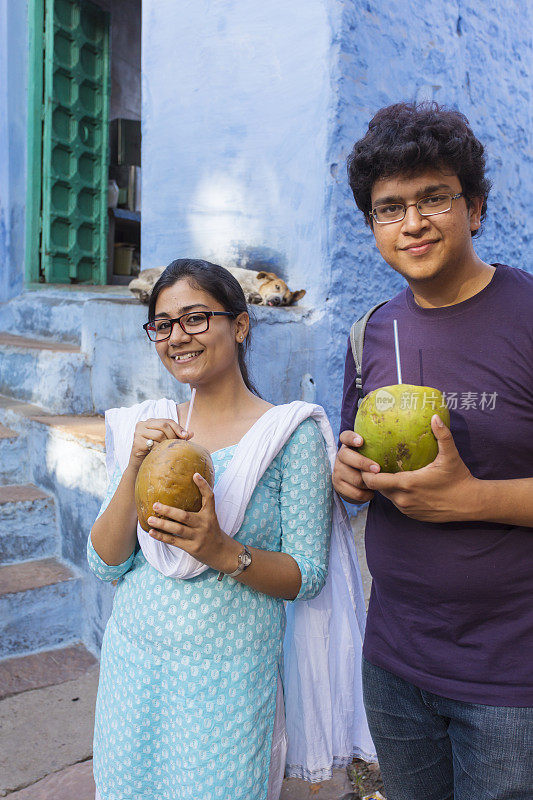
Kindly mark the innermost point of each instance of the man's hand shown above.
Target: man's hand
(444, 491)
(347, 472)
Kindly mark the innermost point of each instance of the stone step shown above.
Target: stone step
(53, 311)
(43, 315)
(27, 524)
(74, 782)
(42, 732)
(48, 668)
(66, 458)
(57, 375)
(88, 429)
(40, 606)
(13, 456)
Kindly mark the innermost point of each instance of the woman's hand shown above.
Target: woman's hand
(153, 430)
(198, 533)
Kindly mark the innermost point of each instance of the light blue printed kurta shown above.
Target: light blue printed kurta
(189, 668)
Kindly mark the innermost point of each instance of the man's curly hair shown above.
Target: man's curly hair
(408, 138)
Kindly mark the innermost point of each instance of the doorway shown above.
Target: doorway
(84, 73)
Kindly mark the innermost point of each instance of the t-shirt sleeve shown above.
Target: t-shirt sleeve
(306, 506)
(107, 572)
(349, 392)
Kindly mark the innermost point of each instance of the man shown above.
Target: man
(448, 652)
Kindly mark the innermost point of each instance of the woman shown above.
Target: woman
(190, 703)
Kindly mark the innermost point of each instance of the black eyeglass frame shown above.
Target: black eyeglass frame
(207, 314)
(405, 207)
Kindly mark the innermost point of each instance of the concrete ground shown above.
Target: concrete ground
(47, 716)
(46, 722)
(46, 729)
(76, 783)
(72, 783)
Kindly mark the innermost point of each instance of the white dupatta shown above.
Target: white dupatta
(325, 718)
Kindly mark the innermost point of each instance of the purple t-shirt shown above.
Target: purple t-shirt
(451, 608)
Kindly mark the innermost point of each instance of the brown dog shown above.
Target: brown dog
(141, 286)
(260, 288)
(265, 288)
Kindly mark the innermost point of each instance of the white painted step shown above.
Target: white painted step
(56, 375)
(66, 460)
(40, 606)
(28, 527)
(53, 311)
(13, 456)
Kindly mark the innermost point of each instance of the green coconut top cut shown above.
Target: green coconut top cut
(395, 423)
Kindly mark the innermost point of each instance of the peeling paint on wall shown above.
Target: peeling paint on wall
(246, 148)
(13, 120)
(249, 113)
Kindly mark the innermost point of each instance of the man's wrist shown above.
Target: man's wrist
(476, 501)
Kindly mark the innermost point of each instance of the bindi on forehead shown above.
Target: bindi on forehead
(181, 310)
(181, 297)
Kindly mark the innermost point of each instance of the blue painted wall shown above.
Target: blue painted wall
(249, 113)
(13, 115)
(476, 57)
(236, 101)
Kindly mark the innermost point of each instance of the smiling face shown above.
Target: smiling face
(199, 358)
(427, 249)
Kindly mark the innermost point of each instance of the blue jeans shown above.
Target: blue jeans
(433, 748)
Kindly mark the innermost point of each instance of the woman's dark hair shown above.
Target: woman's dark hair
(217, 282)
(407, 138)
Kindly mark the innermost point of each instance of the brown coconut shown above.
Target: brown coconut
(165, 476)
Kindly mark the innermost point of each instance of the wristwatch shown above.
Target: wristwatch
(245, 559)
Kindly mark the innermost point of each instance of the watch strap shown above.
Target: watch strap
(244, 563)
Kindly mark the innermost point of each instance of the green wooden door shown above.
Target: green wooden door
(75, 143)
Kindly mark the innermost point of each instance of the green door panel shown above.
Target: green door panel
(75, 142)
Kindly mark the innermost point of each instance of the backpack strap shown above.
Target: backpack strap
(357, 340)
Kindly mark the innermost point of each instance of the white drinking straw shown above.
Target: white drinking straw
(397, 348)
(191, 403)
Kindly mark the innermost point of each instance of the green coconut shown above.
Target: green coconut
(395, 423)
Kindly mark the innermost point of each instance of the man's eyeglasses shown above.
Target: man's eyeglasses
(426, 206)
(193, 322)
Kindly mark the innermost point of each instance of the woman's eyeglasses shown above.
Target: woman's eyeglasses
(193, 322)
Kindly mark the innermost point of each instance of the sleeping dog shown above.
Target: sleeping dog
(141, 286)
(265, 288)
(260, 288)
